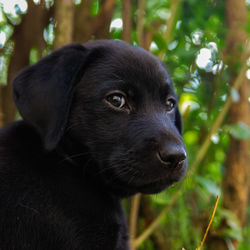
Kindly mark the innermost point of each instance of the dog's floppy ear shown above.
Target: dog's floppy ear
(43, 92)
(178, 120)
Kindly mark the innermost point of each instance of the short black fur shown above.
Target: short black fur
(77, 152)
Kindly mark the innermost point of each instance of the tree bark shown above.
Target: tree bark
(27, 34)
(237, 164)
(235, 184)
(127, 20)
(88, 27)
(140, 21)
(101, 24)
(64, 15)
(82, 22)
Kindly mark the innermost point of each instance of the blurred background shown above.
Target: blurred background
(205, 45)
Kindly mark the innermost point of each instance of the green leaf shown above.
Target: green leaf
(230, 217)
(209, 185)
(239, 130)
(233, 231)
(95, 8)
(233, 234)
(160, 42)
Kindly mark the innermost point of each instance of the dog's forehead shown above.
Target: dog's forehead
(121, 62)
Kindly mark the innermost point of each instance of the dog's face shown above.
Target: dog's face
(121, 108)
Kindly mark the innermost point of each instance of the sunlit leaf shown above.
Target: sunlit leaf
(239, 130)
(209, 185)
(95, 7)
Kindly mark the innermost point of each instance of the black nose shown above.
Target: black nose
(172, 156)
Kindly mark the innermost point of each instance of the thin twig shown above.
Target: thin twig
(135, 203)
(127, 20)
(209, 225)
(64, 15)
(140, 21)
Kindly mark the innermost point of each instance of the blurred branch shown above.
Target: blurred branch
(64, 16)
(199, 157)
(135, 203)
(170, 25)
(140, 21)
(127, 20)
(87, 26)
(102, 22)
(82, 22)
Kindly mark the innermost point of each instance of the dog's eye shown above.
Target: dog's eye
(117, 100)
(170, 104)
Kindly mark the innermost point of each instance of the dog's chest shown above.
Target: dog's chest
(98, 222)
(102, 231)
(109, 231)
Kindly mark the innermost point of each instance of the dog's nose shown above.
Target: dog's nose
(172, 156)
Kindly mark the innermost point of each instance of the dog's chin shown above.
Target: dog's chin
(158, 186)
(155, 187)
(124, 187)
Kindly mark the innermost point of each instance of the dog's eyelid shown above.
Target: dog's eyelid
(113, 92)
(171, 97)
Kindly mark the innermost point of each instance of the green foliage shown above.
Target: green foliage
(34, 56)
(245, 244)
(95, 7)
(209, 185)
(234, 231)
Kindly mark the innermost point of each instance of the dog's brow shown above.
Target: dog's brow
(114, 83)
(166, 88)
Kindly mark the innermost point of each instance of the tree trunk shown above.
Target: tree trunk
(82, 23)
(237, 163)
(26, 35)
(235, 184)
(127, 20)
(140, 21)
(88, 27)
(64, 15)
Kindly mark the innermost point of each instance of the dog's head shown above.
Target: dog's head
(113, 100)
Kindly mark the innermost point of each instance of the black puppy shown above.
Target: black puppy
(101, 122)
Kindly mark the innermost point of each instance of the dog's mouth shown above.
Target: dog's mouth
(134, 180)
(156, 185)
